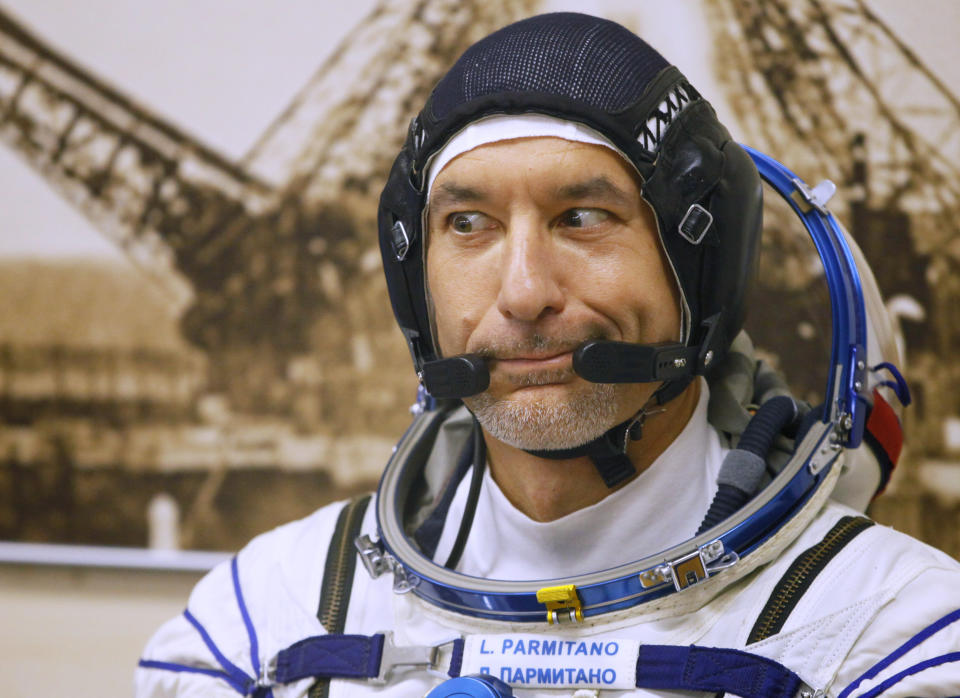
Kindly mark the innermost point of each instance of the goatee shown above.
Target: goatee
(548, 425)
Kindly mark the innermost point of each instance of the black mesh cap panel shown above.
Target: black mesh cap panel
(588, 59)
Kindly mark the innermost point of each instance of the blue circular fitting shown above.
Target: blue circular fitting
(478, 686)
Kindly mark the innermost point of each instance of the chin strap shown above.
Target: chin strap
(609, 450)
(603, 361)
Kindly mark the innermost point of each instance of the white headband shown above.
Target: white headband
(505, 127)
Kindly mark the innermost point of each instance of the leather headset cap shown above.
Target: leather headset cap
(702, 186)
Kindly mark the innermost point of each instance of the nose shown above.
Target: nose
(530, 276)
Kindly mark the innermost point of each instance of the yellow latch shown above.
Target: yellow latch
(562, 603)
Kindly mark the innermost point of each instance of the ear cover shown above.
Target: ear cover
(737, 207)
(401, 203)
(700, 164)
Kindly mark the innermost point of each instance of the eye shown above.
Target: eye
(469, 222)
(584, 217)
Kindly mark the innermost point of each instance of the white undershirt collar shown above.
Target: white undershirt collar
(661, 507)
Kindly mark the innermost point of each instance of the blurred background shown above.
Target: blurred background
(195, 339)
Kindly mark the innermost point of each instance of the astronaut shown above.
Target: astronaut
(602, 493)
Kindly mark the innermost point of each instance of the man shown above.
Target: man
(567, 237)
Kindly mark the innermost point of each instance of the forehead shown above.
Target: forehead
(539, 162)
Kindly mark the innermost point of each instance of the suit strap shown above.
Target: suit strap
(374, 657)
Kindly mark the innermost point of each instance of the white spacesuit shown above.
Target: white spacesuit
(881, 591)
(779, 590)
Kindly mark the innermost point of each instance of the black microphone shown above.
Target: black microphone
(456, 377)
(604, 361)
(598, 361)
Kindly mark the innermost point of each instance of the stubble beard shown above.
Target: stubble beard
(550, 424)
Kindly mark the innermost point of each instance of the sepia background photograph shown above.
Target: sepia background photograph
(196, 343)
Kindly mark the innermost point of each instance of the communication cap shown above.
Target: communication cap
(703, 187)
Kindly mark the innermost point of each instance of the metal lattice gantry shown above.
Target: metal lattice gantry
(153, 189)
(828, 86)
(275, 250)
(159, 192)
(337, 139)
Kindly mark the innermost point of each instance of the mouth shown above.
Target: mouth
(535, 361)
(534, 370)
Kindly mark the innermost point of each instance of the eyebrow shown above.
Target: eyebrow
(595, 187)
(599, 187)
(452, 194)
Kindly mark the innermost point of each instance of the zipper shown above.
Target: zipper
(341, 563)
(800, 576)
(338, 577)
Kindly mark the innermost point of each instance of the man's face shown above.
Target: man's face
(536, 245)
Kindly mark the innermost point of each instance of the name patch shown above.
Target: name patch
(553, 662)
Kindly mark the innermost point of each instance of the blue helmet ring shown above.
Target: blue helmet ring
(725, 551)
